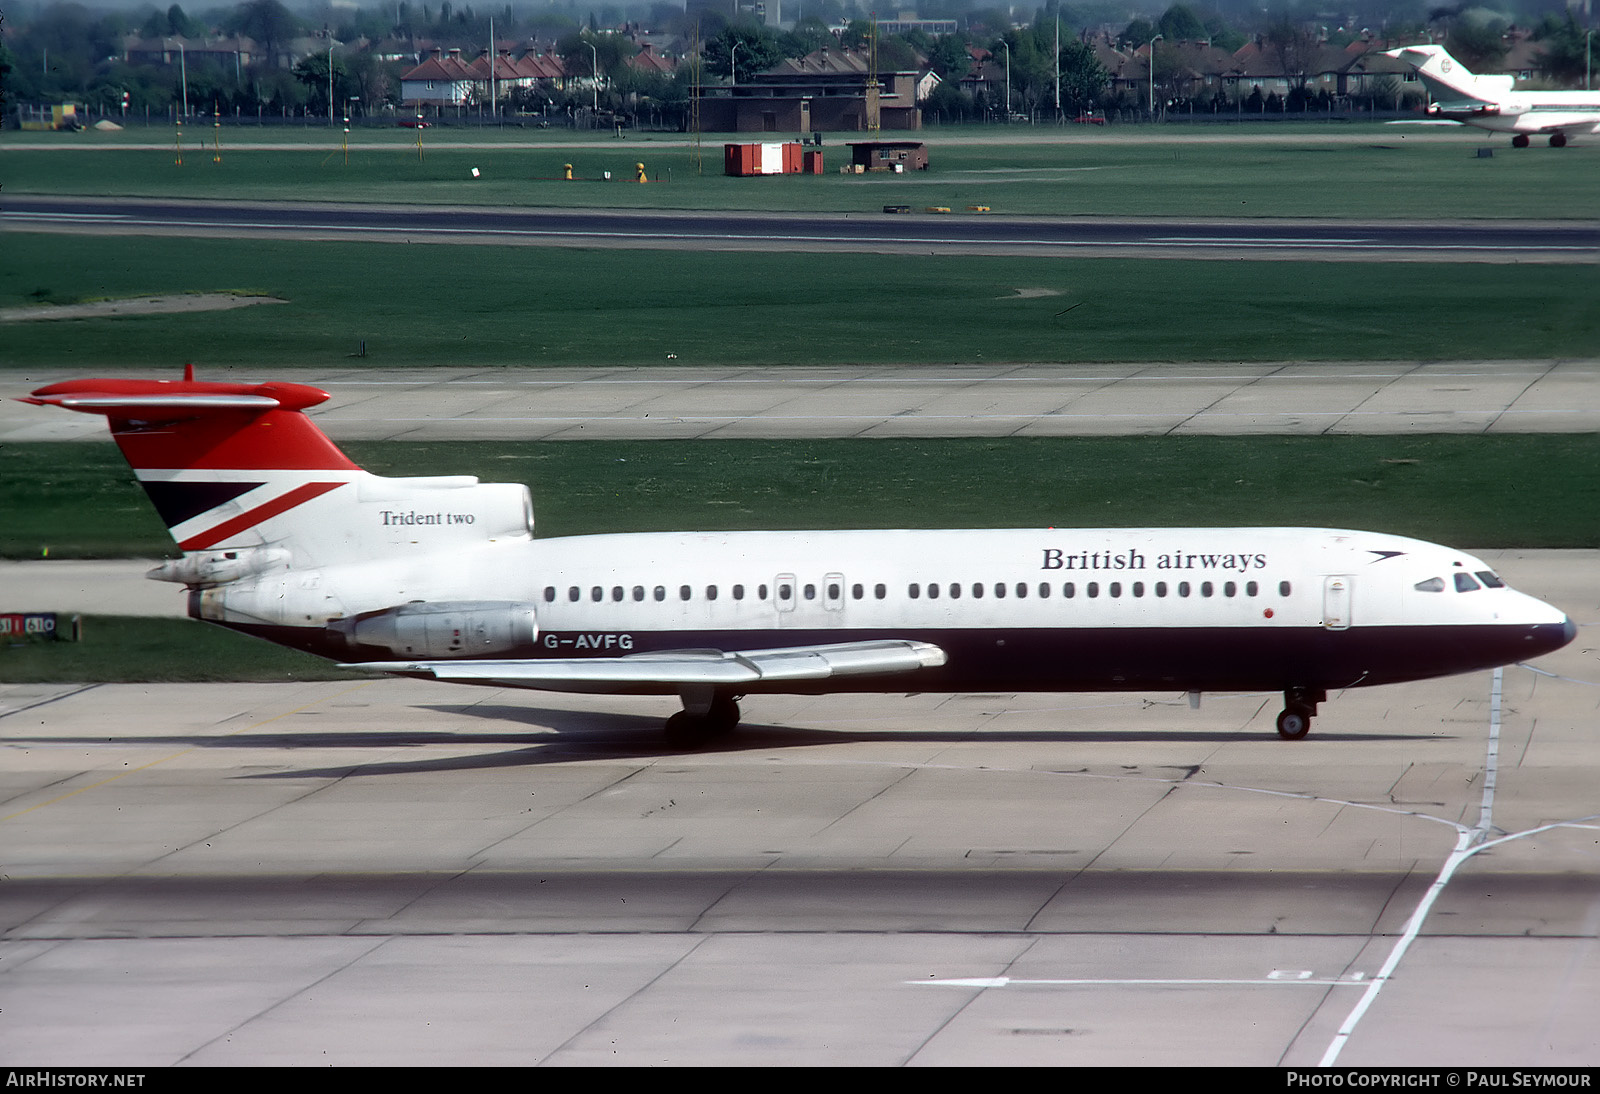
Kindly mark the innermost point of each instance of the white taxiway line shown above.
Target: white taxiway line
(1201, 982)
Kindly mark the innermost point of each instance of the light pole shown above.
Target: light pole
(1058, 66)
(594, 76)
(1588, 57)
(183, 67)
(733, 71)
(1153, 42)
(1008, 78)
(330, 81)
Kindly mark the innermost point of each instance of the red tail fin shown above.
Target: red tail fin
(217, 460)
(192, 424)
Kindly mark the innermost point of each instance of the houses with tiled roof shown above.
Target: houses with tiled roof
(648, 61)
(444, 79)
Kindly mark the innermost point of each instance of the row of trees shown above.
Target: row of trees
(65, 52)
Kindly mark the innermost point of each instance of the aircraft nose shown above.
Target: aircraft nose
(1569, 629)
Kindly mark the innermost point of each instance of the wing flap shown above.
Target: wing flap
(671, 670)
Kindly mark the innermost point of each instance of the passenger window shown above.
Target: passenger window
(1183, 588)
(711, 592)
(880, 590)
(1092, 589)
(616, 592)
(660, 592)
(1432, 585)
(1161, 588)
(977, 590)
(1251, 588)
(1230, 588)
(573, 594)
(955, 591)
(1069, 590)
(1000, 589)
(913, 590)
(811, 592)
(857, 591)
(1283, 588)
(1138, 588)
(638, 592)
(683, 592)
(1205, 588)
(1116, 589)
(549, 594)
(933, 590)
(1022, 589)
(761, 592)
(597, 594)
(833, 590)
(1465, 583)
(785, 592)
(1044, 589)
(738, 592)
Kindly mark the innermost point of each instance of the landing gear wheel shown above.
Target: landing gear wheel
(1558, 140)
(723, 715)
(685, 730)
(1294, 723)
(691, 730)
(1519, 141)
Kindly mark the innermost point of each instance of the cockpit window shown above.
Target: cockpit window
(1432, 585)
(1465, 583)
(1491, 579)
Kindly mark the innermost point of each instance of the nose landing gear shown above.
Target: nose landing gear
(1299, 707)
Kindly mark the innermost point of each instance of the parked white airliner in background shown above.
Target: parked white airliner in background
(442, 578)
(1489, 103)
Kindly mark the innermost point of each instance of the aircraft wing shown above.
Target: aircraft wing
(666, 672)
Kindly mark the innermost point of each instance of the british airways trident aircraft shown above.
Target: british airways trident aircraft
(441, 578)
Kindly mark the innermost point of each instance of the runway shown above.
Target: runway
(404, 873)
(907, 401)
(879, 233)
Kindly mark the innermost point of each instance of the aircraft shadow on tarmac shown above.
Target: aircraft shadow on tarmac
(568, 736)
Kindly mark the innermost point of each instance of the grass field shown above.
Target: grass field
(79, 500)
(475, 306)
(1362, 169)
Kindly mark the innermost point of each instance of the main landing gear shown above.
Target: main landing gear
(1299, 707)
(1557, 140)
(705, 716)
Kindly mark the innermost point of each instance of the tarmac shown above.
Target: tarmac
(395, 872)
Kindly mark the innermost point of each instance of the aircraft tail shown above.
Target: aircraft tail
(246, 483)
(1449, 83)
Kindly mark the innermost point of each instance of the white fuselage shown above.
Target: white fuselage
(1036, 609)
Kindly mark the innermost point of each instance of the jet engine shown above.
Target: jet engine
(446, 629)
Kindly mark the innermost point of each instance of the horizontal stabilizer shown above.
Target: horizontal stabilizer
(668, 671)
(169, 400)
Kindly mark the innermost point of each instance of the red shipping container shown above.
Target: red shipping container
(741, 159)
